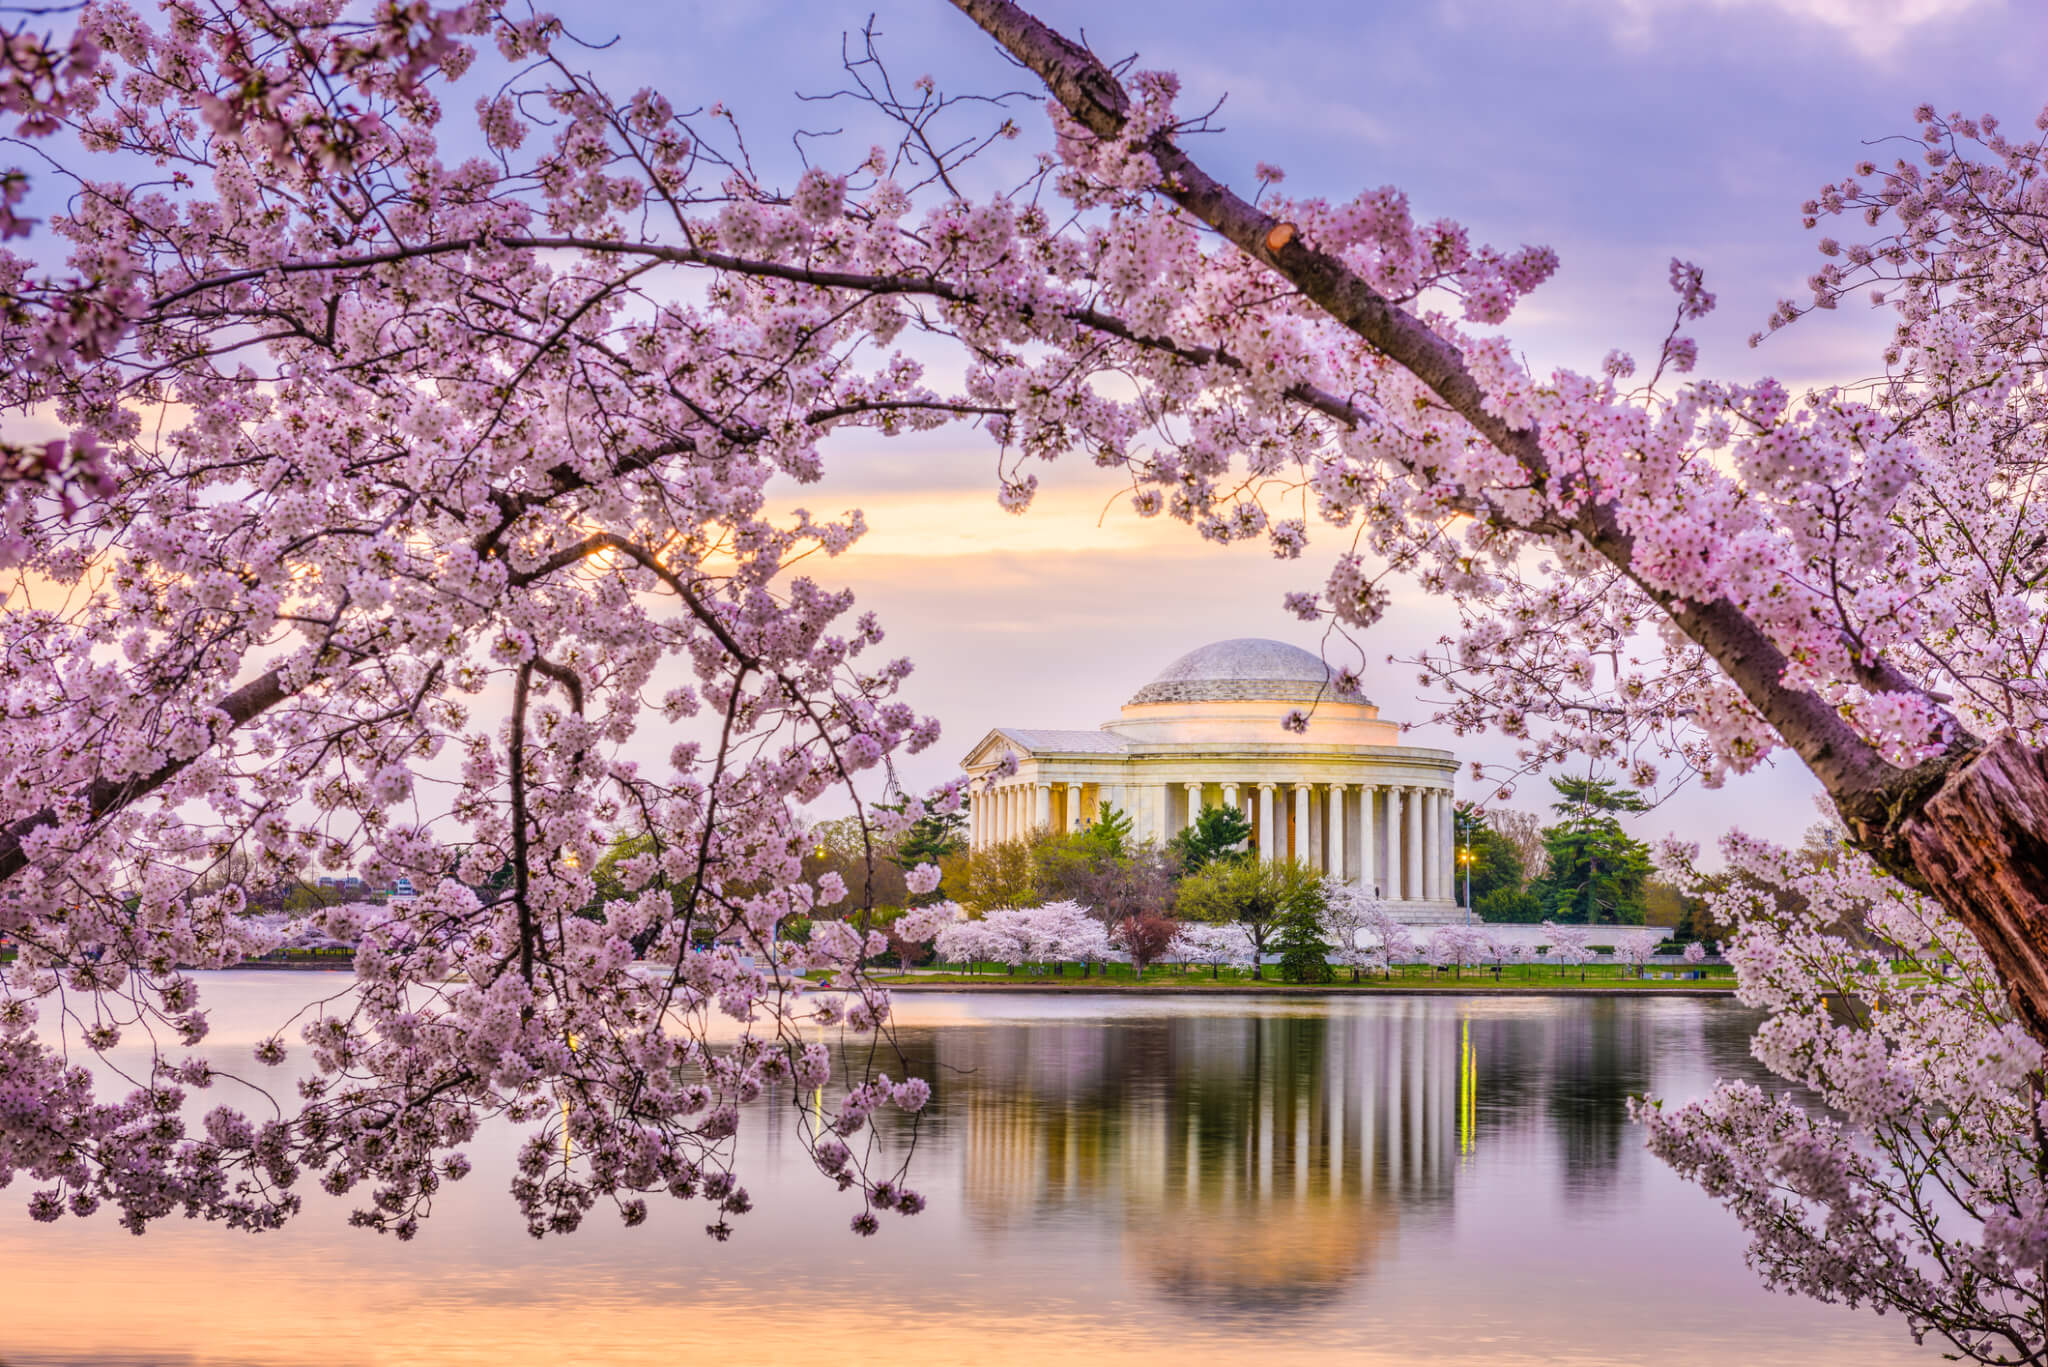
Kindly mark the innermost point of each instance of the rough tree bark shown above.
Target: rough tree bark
(1969, 828)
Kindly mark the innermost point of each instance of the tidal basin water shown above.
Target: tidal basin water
(1376, 1180)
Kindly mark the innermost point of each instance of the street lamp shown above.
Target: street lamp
(1465, 858)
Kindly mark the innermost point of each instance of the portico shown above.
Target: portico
(1345, 797)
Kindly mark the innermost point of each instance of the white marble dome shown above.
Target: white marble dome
(1247, 668)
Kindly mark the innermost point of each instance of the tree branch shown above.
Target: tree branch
(1852, 770)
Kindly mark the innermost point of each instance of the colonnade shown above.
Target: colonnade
(1396, 837)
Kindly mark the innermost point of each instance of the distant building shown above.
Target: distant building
(1345, 796)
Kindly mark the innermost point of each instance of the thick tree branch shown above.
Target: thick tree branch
(1853, 772)
(105, 795)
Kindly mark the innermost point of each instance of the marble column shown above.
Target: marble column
(1413, 857)
(1337, 852)
(1314, 857)
(1450, 841)
(1266, 822)
(1157, 826)
(1194, 802)
(1300, 850)
(1074, 822)
(1434, 877)
(1368, 838)
(1396, 879)
(1044, 821)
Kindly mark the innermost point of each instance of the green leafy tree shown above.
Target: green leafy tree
(1596, 871)
(1256, 894)
(1216, 833)
(1001, 875)
(1104, 869)
(1492, 861)
(1511, 906)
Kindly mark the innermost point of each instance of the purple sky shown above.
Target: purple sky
(1620, 132)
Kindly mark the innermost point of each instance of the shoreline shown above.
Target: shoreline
(1235, 989)
(1313, 990)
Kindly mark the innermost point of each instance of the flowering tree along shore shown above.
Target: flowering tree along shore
(399, 490)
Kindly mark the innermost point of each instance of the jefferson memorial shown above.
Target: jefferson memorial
(1346, 797)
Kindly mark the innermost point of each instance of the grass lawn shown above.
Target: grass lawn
(1511, 976)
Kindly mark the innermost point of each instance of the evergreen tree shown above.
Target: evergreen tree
(1110, 833)
(935, 836)
(1596, 870)
(1217, 833)
(1304, 953)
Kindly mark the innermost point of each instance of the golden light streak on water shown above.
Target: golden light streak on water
(1468, 1090)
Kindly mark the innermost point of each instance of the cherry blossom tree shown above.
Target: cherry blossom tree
(406, 487)
(921, 926)
(1634, 948)
(1354, 924)
(1920, 1188)
(392, 482)
(1056, 933)
(1492, 949)
(1569, 945)
(1069, 933)
(1456, 947)
(964, 942)
(1222, 946)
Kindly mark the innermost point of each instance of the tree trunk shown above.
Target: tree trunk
(1979, 846)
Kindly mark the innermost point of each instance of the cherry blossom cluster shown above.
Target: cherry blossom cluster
(1916, 1185)
(451, 509)
(1361, 929)
(1058, 932)
(1228, 945)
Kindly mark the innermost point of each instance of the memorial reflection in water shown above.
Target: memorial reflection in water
(1130, 1180)
(1257, 1161)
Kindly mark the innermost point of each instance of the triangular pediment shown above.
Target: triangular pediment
(991, 749)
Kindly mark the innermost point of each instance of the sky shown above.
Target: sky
(1621, 133)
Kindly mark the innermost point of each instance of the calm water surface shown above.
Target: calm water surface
(1393, 1180)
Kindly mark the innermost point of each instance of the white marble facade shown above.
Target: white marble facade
(1345, 796)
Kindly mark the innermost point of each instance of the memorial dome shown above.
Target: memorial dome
(1245, 669)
